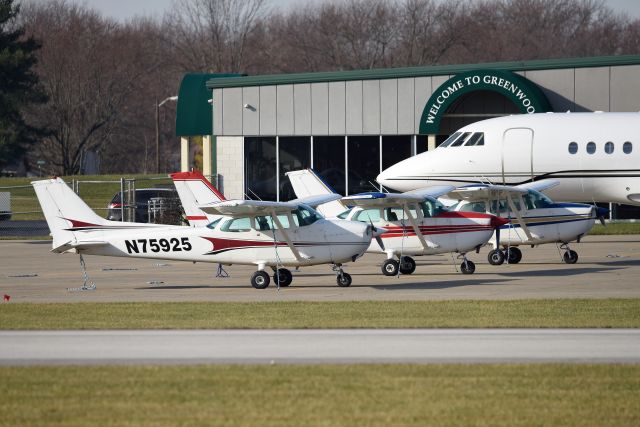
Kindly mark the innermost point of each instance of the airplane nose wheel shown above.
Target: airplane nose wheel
(467, 267)
(569, 257)
(496, 257)
(260, 280)
(343, 279)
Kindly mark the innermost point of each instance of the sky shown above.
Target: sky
(125, 9)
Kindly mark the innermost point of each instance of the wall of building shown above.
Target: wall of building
(230, 152)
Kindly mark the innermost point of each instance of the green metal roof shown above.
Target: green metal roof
(194, 114)
(438, 70)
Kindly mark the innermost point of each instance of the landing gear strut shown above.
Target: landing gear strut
(570, 257)
(467, 266)
(343, 279)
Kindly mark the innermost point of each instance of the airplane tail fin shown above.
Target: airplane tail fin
(64, 211)
(195, 190)
(307, 183)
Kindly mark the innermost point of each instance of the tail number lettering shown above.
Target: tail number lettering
(158, 245)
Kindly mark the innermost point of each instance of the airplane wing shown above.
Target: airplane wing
(375, 199)
(237, 208)
(434, 191)
(541, 185)
(319, 199)
(481, 192)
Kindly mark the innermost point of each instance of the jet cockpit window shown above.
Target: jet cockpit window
(431, 207)
(449, 140)
(367, 215)
(305, 215)
(461, 139)
(213, 224)
(476, 139)
(236, 225)
(627, 147)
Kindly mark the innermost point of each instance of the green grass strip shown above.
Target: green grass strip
(616, 228)
(556, 313)
(324, 395)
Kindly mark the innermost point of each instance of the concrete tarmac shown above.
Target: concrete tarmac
(320, 346)
(608, 267)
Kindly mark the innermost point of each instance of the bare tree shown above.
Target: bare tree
(213, 35)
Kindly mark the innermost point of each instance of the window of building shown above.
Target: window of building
(591, 147)
(294, 154)
(422, 143)
(395, 149)
(573, 147)
(328, 161)
(608, 147)
(364, 163)
(260, 168)
(627, 147)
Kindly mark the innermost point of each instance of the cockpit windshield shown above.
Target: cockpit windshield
(431, 207)
(536, 200)
(305, 215)
(467, 139)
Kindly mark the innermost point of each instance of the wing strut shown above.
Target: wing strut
(414, 225)
(512, 206)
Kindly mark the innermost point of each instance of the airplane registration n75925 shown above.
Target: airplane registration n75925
(157, 245)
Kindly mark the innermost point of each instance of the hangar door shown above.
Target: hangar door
(516, 155)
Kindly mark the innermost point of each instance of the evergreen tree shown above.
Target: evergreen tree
(18, 84)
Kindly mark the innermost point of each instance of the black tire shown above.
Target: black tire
(514, 255)
(390, 267)
(344, 280)
(496, 257)
(467, 267)
(285, 277)
(260, 280)
(570, 257)
(408, 265)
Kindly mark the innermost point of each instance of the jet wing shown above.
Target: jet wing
(238, 208)
(541, 185)
(434, 191)
(483, 192)
(375, 199)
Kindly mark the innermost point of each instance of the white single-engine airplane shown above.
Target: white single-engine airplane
(594, 156)
(534, 218)
(415, 223)
(248, 232)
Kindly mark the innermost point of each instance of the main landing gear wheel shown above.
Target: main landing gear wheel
(260, 280)
(495, 257)
(285, 277)
(408, 265)
(570, 257)
(390, 267)
(344, 280)
(467, 267)
(514, 255)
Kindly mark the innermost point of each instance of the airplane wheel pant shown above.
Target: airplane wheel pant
(260, 280)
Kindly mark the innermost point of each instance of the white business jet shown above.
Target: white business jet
(415, 222)
(594, 156)
(248, 232)
(535, 219)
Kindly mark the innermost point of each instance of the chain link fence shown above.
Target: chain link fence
(146, 199)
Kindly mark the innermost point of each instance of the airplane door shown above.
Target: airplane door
(516, 155)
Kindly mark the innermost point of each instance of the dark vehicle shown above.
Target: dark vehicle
(162, 203)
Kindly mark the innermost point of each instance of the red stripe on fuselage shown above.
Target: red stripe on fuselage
(220, 244)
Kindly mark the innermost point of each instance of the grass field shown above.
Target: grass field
(569, 313)
(614, 228)
(325, 395)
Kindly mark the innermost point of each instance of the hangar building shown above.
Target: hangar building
(350, 125)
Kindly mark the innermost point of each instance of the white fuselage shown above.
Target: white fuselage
(595, 156)
(324, 241)
(446, 232)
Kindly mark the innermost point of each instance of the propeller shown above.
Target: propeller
(600, 213)
(377, 232)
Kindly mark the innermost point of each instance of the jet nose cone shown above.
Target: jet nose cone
(497, 221)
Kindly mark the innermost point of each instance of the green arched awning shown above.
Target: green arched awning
(194, 115)
(526, 95)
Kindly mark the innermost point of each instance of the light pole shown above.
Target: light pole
(158, 105)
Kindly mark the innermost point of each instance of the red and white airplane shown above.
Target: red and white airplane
(264, 234)
(416, 223)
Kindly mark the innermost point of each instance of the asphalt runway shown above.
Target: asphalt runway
(320, 346)
(609, 267)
